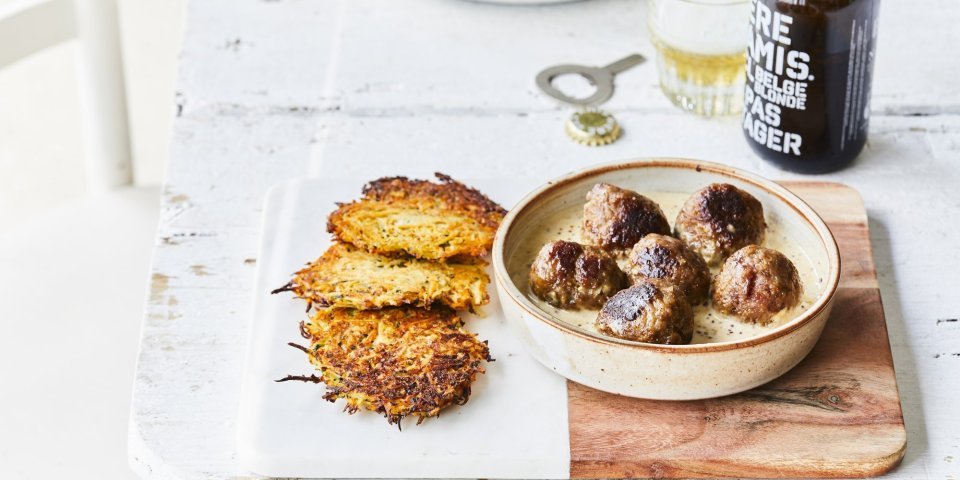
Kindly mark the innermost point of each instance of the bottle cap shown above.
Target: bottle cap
(592, 127)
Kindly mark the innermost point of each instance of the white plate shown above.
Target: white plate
(515, 424)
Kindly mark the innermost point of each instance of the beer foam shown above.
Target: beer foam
(705, 27)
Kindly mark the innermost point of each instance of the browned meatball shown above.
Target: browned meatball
(570, 275)
(614, 218)
(756, 283)
(659, 257)
(650, 311)
(720, 219)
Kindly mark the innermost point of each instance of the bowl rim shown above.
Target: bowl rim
(784, 195)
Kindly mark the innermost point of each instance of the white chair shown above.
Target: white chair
(73, 280)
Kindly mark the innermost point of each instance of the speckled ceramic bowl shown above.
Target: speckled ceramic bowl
(666, 372)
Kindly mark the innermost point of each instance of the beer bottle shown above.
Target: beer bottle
(809, 69)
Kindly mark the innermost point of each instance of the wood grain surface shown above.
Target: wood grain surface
(837, 414)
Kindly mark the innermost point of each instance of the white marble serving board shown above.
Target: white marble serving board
(514, 425)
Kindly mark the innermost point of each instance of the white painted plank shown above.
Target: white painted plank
(265, 54)
(378, 55)
(188, 377)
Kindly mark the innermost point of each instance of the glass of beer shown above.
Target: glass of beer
(701, 52)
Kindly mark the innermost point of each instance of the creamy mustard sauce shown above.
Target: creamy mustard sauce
(709, 324)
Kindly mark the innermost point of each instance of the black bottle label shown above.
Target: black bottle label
(809, 66)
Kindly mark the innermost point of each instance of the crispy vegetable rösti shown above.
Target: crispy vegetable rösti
(400, 362)
(347, 277)
(432, 221)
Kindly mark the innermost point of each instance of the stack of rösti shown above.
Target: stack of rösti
(383, 329)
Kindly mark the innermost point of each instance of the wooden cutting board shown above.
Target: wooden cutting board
(837, 414)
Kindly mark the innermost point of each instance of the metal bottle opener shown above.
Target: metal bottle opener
(600, 77)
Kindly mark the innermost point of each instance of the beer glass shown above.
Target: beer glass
(701, 52)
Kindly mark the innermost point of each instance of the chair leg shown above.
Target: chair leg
(106, 134)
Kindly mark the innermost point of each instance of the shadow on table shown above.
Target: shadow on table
(904, 362)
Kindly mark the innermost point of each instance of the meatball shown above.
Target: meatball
(658, 257)
(756, 283)
(570, 275)
(650, 311)
(720, 219)
(614, 218)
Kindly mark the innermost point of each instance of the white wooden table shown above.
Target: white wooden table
(275, 90)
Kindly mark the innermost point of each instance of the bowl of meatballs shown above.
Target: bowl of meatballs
(666, 279)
